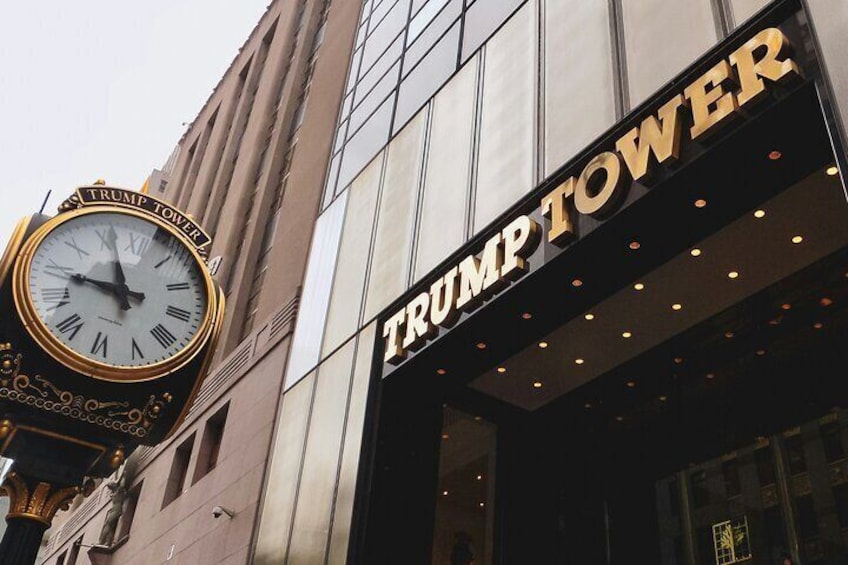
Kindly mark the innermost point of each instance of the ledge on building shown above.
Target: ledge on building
(102, 554)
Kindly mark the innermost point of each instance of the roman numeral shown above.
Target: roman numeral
(178, 313)
(100, 344)
(177, 286)
(73, 245)
(56, 297)
(136, 349)
(162, 262)
(105, 242)
(165, 338)
(71, 324)
(57, 270)
(138, 244)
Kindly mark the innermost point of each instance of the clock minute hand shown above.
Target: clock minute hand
(121, 290)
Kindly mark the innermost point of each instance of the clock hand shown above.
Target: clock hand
(121, 288)
(106, 285)
(133, 294)
(119, 270)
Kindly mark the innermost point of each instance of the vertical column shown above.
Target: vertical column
(829, 19)
(784, 495)
(686, 517)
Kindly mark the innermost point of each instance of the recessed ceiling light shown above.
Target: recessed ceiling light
(759, 214)
(832, 171)
(825, 301)
(695, 252)
(576, 283)
(579, 361)
(663, 398)
(619, 418)
(733, 275)
(444, 493)
(678, 360)
(626, 335)
(441, 371)
(818, 325)
(589, 316)
(631, 384)
(786, 306)
(445, 436)
(479, 477)
(543, 344)
(760, 352)
(537, 384)
(482, 504)
(501, 369)
(775, 155)
(634, 245)
(588, 406)
(526, 315)
(797, 239)
(700, 203)
(729, 335)
(638, 286)
(481, 345)
(677, 306)
(710, 376)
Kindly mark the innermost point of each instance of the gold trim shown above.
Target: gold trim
(218, 324)
(13, 246)
(37, 391)
(70, 358)
(76, 201)
(41, 503)
(52, 435)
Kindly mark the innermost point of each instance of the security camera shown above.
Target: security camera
(219, 511)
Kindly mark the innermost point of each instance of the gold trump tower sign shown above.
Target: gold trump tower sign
(713, 100)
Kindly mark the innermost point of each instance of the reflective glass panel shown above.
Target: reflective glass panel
(420, 84)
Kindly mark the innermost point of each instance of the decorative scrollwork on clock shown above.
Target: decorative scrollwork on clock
(39, 392)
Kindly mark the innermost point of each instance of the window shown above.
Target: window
(267, 243)
(129, 511)
(795, 455)
(765, 466)
(831, 435)
(213, 433)
(840, 496)
(808, 525)
(732, 483)
(700, 491)
(179, 470)
(74, 551)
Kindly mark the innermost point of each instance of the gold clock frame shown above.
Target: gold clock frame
(39, 331)
(13, 246)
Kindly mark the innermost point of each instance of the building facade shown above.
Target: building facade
(575, 294)
(250, 168)
(510, 351)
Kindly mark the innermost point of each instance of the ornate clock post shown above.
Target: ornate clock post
(109, 320)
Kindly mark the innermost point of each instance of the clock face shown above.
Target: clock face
(117, 289)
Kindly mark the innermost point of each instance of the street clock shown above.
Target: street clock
(113, 294)
(110, 318)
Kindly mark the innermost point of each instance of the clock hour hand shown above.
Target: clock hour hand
(111, 287)
(105, 285)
